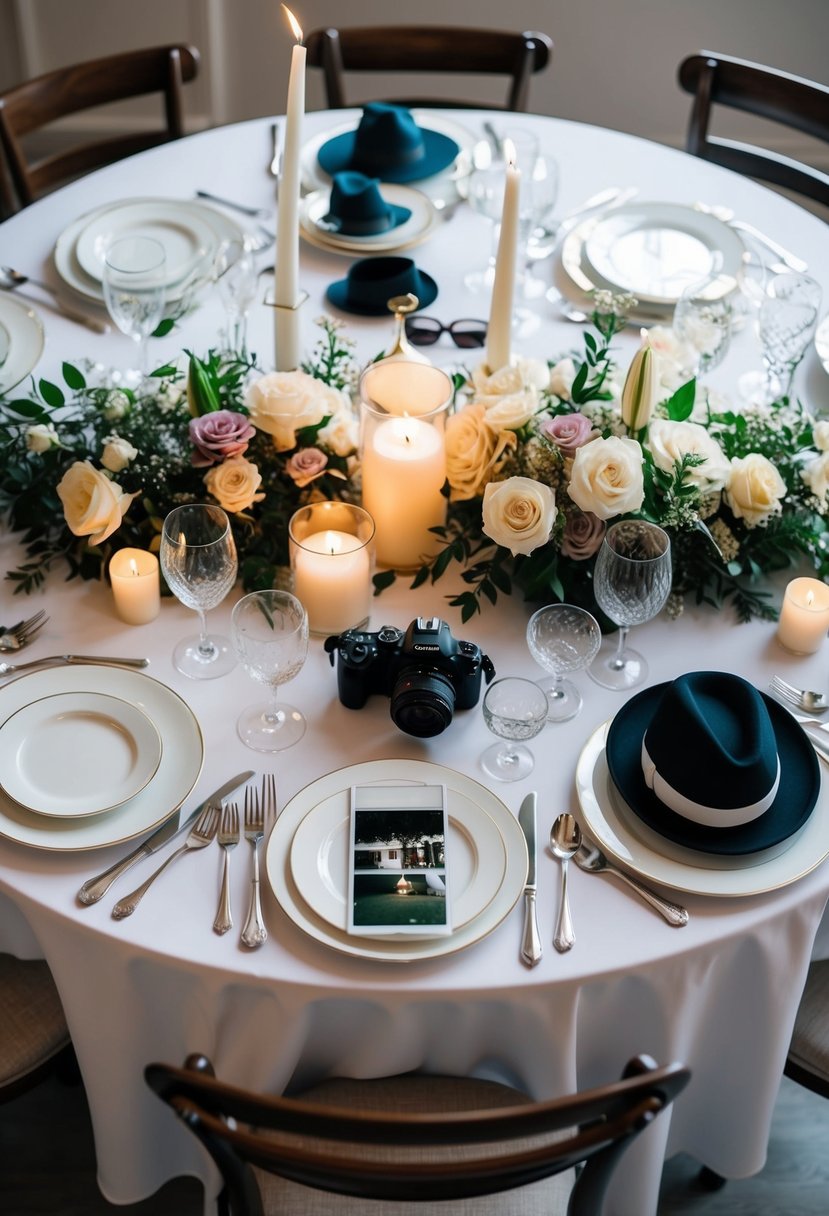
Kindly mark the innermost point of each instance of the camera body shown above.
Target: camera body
(426, 672)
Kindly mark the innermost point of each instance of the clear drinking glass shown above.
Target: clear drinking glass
(270, 633)
(514, 709)
(485, 194)
(562, 638)
(134, 289)
(234, 272)
(702, 320)
(198, 560)
(786, 325)
(631, 582)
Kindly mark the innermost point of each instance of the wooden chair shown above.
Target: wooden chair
(29, 106)
(429, 48)
(715, 79)
(808, 1059)
(413, 1139)
(34, 1038)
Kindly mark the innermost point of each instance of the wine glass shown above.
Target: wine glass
(514, 709)
(702, 319)
(234, 271)
(134, 281)
(537, 200)
(485, 194)
(787, 322)
(198, 560)
(631, 582)
(270, 633)
(562, 638)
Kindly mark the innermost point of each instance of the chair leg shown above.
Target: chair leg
(709, 1180)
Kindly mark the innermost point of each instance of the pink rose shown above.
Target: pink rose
(583, 534)
(220, 434)
(568, 432)
(305, 465)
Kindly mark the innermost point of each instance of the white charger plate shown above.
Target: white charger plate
(574, 283)
(177, 772)
(77, 754)
(416, 229)
(620, 836)
(280, 876)
(186, 238)
(25, 341)
(477, 859)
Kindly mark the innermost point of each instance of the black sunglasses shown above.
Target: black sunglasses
(425, 331)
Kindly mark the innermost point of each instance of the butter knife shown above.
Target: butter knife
(531, 949)
(94, 888)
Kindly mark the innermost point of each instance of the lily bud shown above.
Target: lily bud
(202, 389)
(642, 390)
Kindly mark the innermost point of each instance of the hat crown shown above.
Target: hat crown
(355, 196)
(387, 135)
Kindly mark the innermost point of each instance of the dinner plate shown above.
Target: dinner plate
(822, 342)
(571, 279)
(283, 884)
(186, 238)
(417, 228)
(5, 344)
(177, 772)
(319, 859)
(24, 332)
(77, 754)
(629, 843)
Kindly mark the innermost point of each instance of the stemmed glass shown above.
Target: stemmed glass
(562, 638)
(786, 325)
(234, 271)
(198, 560)
(514, 709)
(702, 319)
(270, 633)
(485, 194)
(631, 582)
(134, 282)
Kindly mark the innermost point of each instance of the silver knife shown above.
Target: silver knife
(94, 888)
(7, 669)
(531, 950)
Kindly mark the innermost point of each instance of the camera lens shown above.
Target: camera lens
(422, 702)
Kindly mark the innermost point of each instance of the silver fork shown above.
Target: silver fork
(228, 837)
(803, 698)
(259, 808)
(23, 632)
(200, 835)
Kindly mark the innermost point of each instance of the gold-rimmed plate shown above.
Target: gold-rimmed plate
(417, 228)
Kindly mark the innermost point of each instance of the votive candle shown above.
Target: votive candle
(804, 616)
(331, 562)
(135, 585)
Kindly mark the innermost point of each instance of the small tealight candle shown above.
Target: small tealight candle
(135, 585)
(804, 617)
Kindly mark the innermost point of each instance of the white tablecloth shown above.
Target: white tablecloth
(720, 994)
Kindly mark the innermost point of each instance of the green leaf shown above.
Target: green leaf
(680, 405)
(27, 409)
(383, 580)
(51, 394)
(73, 378)
(163, 328)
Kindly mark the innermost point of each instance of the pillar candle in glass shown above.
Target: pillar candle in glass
(135, 585)
(331, 561)
(804, 617)
(404, 408)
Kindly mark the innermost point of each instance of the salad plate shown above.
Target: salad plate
(21, 333)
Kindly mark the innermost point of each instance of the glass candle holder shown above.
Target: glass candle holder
(332, 558)
(404, 406)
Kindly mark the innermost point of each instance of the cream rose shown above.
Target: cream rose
(670, 441)
(41, 436)
(117, 453)
(518, 513)
(283, 402)
(93, 504)
(754, 490)
(606, 477)
(562, 377)
(816, 476)
(472, 452)
(820, 435)
(512, 412)
(234, 483)
(341, 434)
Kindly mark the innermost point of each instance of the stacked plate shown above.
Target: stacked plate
(417, 228)
(85, 762)
(307, 860)
(21, 341)
(190, 232)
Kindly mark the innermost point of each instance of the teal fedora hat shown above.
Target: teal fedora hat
(388, 144)
(372, 282)
(712, 764)
(357, 207)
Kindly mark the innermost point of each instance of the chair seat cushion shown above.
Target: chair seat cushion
(810, 1042)
(32, 1025)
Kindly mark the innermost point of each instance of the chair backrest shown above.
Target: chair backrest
(790, 100)
(330, 1148)
(429, 48)
(34, 104)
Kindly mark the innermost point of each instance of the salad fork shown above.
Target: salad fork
(802, 698)
(19, 635)
(200, 835)
(259, 808)
(228, 838)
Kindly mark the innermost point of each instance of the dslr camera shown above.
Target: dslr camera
(426, 672)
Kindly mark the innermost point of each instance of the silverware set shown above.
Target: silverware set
(13, 280)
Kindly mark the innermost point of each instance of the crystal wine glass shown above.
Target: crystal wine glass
(198, 560)
(562, 638)
(787, 322)
(134, 280)
(702, 319)
(234, 270)
(270, 633)
(631, 582)
(514, 709)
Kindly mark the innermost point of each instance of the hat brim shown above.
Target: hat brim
(796, 797)
(337, 294)
(339, 227)
(439, 150)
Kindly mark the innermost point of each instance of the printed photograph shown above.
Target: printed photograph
(399, 868)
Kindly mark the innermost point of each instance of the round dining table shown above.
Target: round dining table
(719, 994)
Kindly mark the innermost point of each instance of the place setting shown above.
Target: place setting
(358, 214)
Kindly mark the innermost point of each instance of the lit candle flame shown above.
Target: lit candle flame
(133, 567)
(296, 29)
(333, 543)
(510, 155)
(810, 596)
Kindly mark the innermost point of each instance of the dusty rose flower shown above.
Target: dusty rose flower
(583, 535)
(569, 432)
(305, 465)
(220, 434)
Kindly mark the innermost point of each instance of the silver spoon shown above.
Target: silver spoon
(565, 838)
(590, 857)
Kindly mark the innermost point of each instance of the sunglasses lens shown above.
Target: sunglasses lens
(467, 334)
(423, 331)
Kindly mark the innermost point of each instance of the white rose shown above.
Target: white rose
(816, 476)
(283, 402)
(670, 441)
(512, 412)
(534, 372)
(518, 513)
(607, 477)
(341, 434)
(499, 383)
(820, 435)
(562, 377)
(41, 436)
(117, 405)
(93, 505)
(754, 490)
(676, 357)
(234, 483)
(117, 453)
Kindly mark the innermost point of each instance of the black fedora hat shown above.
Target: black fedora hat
(372, 282)
(388, 143)
(357, 207)
(709, 742)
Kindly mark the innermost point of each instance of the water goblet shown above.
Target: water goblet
(514, 709)
(786, 325)
(631, 582)
(562, 638)
(485, 194)
(134, 281)
(270, 633)
(702, 320)
(198, 560)
(234, 271)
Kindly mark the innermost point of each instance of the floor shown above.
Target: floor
(795, 1181)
